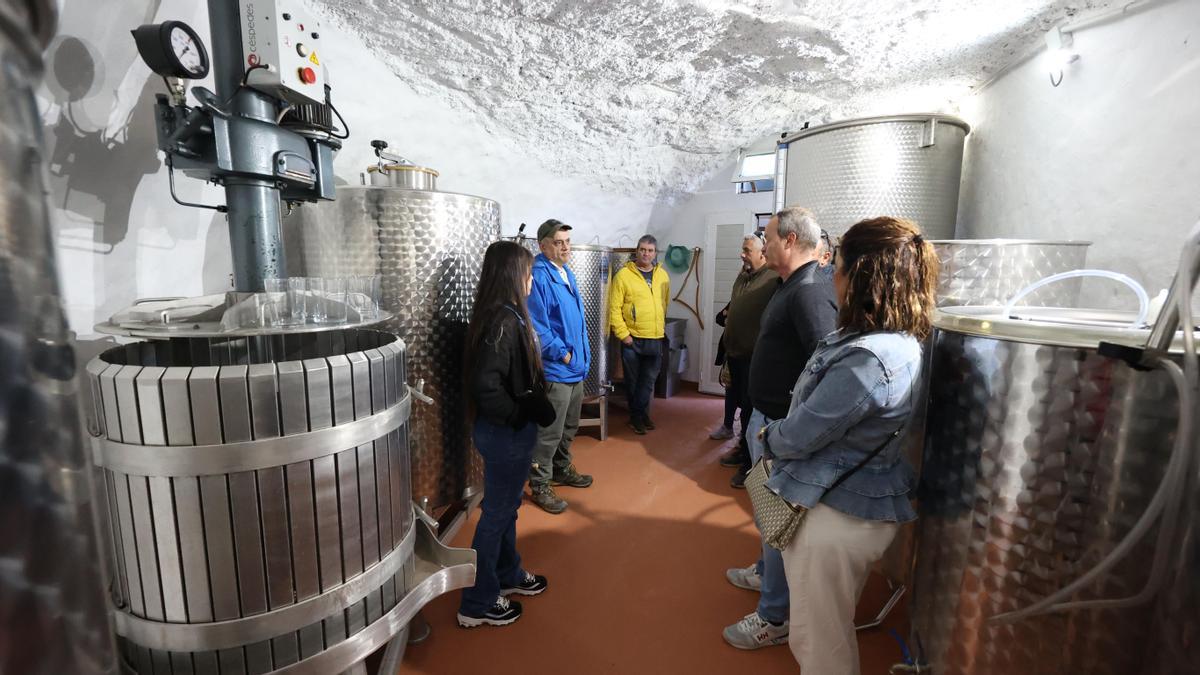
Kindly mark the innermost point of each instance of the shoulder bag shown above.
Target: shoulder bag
(778, 519)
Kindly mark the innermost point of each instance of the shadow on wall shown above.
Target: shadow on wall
(82, 162)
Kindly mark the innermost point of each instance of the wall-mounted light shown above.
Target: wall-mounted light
(1059, 54)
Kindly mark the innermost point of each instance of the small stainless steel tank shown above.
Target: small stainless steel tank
(1040, 455)
(990, 271)
(906, 166)
(428, 247)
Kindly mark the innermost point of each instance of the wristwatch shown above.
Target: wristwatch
(762, 433)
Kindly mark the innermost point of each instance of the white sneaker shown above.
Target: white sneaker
(752, 632)
(721, 433)
(745, 577)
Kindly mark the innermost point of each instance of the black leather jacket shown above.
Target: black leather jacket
(505, 388)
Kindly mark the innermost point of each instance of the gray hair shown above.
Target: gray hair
(648, 239)
(801, 222)
(758, 242)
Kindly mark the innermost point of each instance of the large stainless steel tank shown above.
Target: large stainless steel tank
(592, 265)
(428, 246)
(259, 503)
(990, 271)
(1040, 455)
(906, 166)
(53, 616)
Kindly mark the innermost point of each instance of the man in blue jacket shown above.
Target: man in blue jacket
(556, 308)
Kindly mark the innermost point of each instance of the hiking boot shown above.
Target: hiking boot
(721, 433)
(502, 613)
(745, 577)
(532, 584)
(638, 427)
(733, 458)
(738, 481)
(648, 423)
(754, 632)
(544, 496)
(571, 478)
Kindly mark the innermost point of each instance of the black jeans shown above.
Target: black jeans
(641, 361)
(739, 389)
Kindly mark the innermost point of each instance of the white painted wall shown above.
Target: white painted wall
(1112, 155)
(684, 223)
(121, 237)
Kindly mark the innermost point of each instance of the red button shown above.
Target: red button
(308, 75)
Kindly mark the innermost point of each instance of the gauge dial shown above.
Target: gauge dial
(188, 51)
(172, 49)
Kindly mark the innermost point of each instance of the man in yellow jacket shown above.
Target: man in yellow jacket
(637, 308)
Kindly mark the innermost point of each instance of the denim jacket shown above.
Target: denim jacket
(855, 392)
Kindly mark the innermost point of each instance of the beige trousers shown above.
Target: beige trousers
(827, 566)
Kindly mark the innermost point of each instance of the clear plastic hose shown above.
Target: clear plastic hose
(1143, 299)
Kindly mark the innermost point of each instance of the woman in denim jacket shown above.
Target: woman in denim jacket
(853, 397)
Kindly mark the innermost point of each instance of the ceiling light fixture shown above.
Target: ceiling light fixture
(1059, 54)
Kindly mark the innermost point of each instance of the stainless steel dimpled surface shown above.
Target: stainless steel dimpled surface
(428, 247)
(593, 271)
(861, 169)
(990, 271)
(1038, 460)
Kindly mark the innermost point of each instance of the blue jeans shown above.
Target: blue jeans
(773, 601)
(641, 361)
(507, 454)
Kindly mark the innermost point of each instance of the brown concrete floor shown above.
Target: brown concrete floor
(636, 567)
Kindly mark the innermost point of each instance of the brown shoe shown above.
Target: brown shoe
(544, 496)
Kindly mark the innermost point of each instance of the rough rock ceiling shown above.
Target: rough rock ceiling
(649, 97)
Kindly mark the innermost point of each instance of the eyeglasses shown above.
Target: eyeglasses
(829, 246)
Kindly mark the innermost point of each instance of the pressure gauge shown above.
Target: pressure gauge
(172, 49)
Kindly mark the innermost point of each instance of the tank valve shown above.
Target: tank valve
(418, 392)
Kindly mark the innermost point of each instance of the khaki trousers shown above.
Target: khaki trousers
(827, 565)
(552, 454)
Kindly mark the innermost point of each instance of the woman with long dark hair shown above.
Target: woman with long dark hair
(505, 391)
(838, 451)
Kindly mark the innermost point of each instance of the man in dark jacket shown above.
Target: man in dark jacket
(801, 312)
(752, 290)
(556, 308)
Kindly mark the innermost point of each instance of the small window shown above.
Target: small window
(755, 172)
(754, 167)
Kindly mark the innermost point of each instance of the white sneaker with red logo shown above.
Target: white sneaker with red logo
(754, 632)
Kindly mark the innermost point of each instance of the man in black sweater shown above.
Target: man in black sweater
(802, 311)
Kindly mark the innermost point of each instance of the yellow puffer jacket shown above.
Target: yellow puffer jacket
(635, 307)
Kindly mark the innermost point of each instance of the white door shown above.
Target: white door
(722, 255)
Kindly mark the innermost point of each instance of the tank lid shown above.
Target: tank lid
(1058, 326)
(884, 119)
(403, 167)
(1009, 242)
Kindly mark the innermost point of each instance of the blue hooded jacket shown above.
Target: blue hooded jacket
(556, 309)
